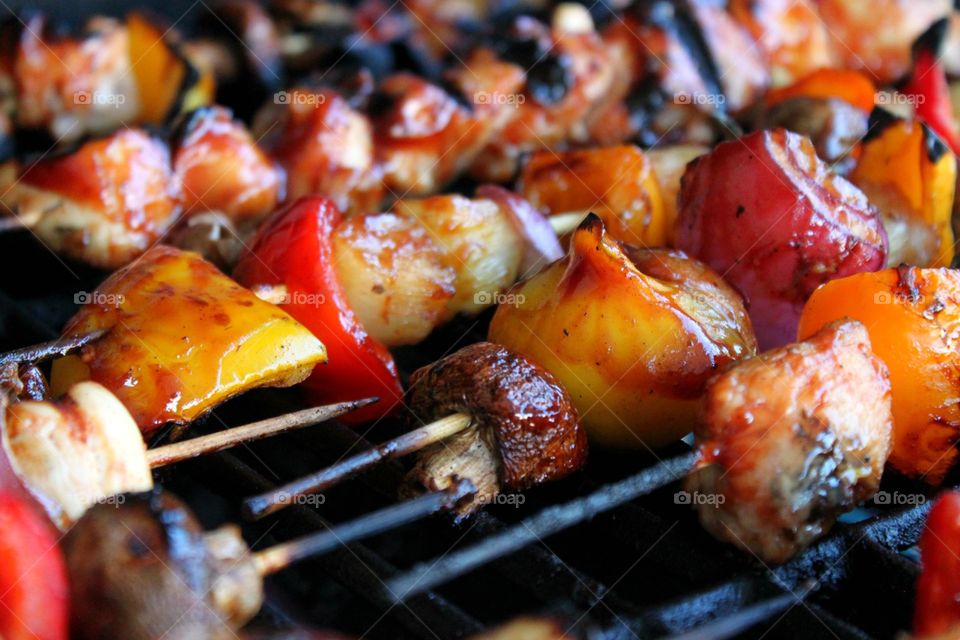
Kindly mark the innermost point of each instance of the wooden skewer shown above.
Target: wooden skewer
(179, 451)
(264, 504)
(283, 555)
(51, 349)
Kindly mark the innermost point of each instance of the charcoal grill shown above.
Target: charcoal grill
(643, 570)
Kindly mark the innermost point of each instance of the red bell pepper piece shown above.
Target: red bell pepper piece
(293, 248)
(34, 593)
(938, 590)
(928, 86)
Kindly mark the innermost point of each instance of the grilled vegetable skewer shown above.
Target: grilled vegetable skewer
(501, 422)
(144, 567)
(74, 452)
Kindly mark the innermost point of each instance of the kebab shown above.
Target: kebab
(498, 420)
(66, 455)
(809, 405)
(145, 567)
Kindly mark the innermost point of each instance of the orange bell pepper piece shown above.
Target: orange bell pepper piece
(853, 87)
(913, 317)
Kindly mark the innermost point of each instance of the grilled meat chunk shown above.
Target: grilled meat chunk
(791, 439)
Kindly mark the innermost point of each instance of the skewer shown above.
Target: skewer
(50, 349)
(264, 504)
(551, 520)
(179, 451)
(283, 555)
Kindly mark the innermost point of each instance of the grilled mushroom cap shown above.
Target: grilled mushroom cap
(525, 428)
(143, 567)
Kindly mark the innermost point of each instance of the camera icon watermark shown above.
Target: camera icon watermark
(697, 498)
(699, 99)
(498, 98)
(99, 299)
(99, 98)
(487, 298)
(899, 499)
(895, 297)
(299, 98)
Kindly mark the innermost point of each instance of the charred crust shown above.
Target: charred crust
(907, 285)
(880, 120)
(935, 146)
(931, 40)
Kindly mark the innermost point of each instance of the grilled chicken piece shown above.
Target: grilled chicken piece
(104, 203)
(791, 34)
(479, 240)
(325, 146)
(833, 126)
(525, 428)
(144, 568)
(396, 277)
(424, 137)
(220, 168)
(632, 334)
(569, 78)
(70, 86)
(791, 439)
(182, 338)
(88, 427)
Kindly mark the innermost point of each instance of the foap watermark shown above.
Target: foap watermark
(98, 298)
(699, 99)
(497, 297)
(515, 500)
(899, 499)
(99, 98)
(301, 298)
(896, 99)
(302, 499)
(897, 297)
(697, 498)
(299, 98)
(498, 98)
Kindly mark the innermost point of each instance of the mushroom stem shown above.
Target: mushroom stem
(564, 223)
(264, 504)
(283, 555)
(171, 453)
(51, 349)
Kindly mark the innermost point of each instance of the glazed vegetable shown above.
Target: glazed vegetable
(220, 168)
(182, 338)
(524, 431)
(938, 589)
(34, 593)
(928, 88)
(769, 216)
(913, 316)
(632, 334)
(791, 439)
(616, 183)
(853, 87)
(910, 175)
(104, 203)
(294, 249)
